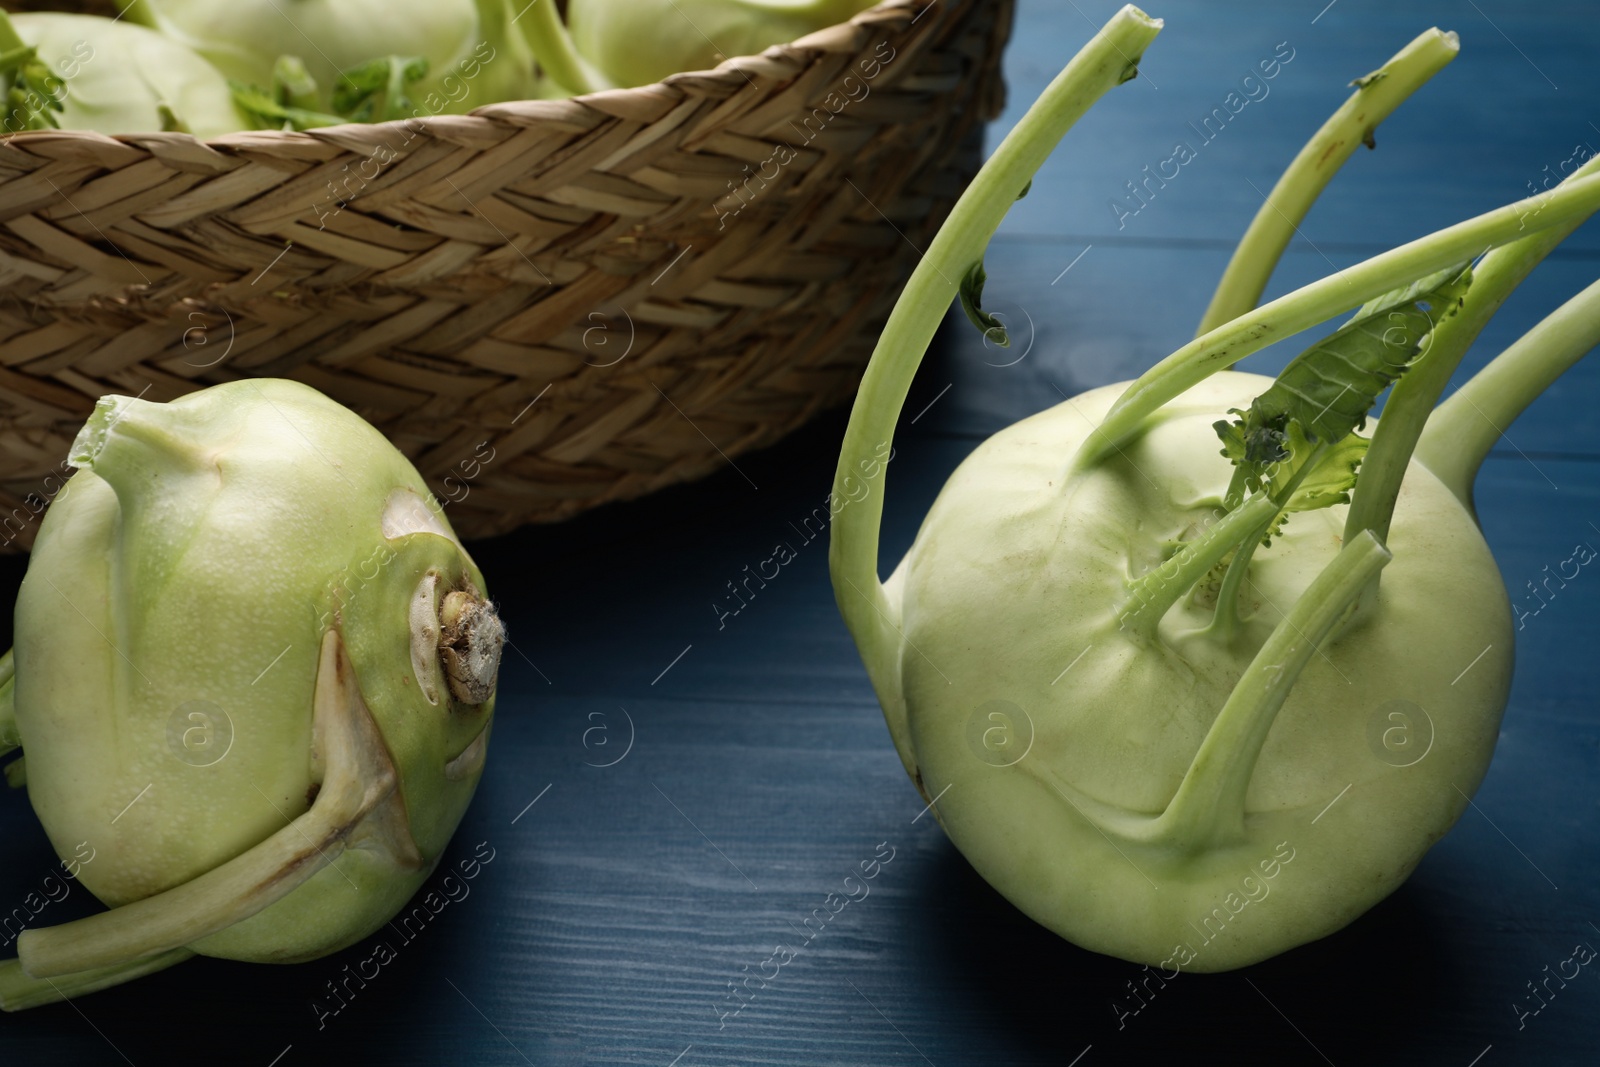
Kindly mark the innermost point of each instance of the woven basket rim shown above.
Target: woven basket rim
(421, 313)
(513, 112)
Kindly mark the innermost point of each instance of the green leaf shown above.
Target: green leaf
(1232, 437)
(32, 90)
(292, 84)
(1310, 476)
(271, 115)
(170, 122)
(1443, 284)
(375, 91)
(1329, 482)
(972, 303)
(1325, 394)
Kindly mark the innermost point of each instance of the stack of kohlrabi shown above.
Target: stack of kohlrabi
(1155, 653)
(210, 67)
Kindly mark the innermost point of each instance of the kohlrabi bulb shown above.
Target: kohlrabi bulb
(636, 42)
(112, 77)
(254, 672)
(475, 54)
(1056, 719)
(1196, 669)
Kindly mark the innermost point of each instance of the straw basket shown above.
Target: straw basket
(547, 305)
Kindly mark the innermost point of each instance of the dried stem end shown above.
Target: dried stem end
(470, 641)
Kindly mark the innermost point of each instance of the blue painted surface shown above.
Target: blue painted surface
(620, 905)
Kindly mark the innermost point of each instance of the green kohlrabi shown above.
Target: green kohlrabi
(1139, 658)
(636, 42)
(83, 72)
(470, 52)
(254, 674)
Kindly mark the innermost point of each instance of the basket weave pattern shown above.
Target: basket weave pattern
(546, 304)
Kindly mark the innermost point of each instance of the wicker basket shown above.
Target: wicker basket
(547, 304)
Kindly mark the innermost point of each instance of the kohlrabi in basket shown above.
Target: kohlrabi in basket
(83, 72)
(315, 62)
(253, 679)
(1195, 669)
(636, 42)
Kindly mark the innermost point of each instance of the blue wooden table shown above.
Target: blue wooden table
(672, 791)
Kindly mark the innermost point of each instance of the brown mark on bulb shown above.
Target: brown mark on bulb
(470, 641)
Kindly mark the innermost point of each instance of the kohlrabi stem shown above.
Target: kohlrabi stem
(189, 912)
(1465, 427)
(19, 992)
(1411, 401)
(359, 785)
(1311, 304)
(1109, 59)
(1208, 808)
(552, 46)
(10, 737)
(9, 41)
(1225, 617)
(1376, 95)
(25, 82)
(292, 84)
(1151, 595)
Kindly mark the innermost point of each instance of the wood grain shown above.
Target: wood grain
(620, 905)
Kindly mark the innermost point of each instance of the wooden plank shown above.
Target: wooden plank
(674, 788)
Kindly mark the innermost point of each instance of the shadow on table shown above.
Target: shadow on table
(1353, 996)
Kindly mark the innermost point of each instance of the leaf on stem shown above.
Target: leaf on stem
(1446, 285)
(170, 122)
(32, 91)
(375, 91)
(1294, 470)
(293, 84)
(1330, 481)
(1297, 442)
(1325, 394)
(271, 115)
(972, 284)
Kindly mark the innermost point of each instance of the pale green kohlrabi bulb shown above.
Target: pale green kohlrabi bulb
(636, 42)
(113, 77)
(254, 674)
(1057, 725)
(475, 54)
(1139, 660)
